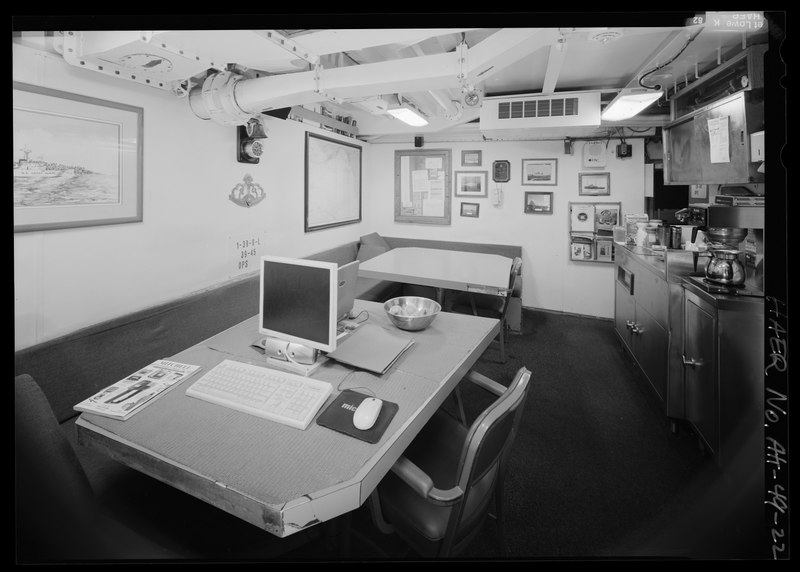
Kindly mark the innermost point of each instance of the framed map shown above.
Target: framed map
(333, 182)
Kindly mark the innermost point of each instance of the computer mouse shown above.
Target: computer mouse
(367, 413)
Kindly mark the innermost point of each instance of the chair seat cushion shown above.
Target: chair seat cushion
(436, 451)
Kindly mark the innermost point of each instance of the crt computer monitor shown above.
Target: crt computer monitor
(299, 302)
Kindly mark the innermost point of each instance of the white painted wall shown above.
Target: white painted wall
(68, 279)
(550, 279)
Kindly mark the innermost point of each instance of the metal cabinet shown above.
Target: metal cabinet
(690, 143)
(641, 322)
(700, 386)
(724, 377)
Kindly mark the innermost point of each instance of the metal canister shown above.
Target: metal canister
(675, 237)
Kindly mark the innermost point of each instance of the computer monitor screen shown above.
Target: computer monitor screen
(298, 301)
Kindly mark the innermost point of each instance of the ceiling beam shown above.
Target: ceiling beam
(503, 48)
(555, 61)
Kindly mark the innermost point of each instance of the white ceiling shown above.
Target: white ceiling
(352, 72)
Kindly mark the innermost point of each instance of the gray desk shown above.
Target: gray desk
(276, 477)
(442, 269)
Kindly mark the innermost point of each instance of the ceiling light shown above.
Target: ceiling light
(407, 114)
(630, 102)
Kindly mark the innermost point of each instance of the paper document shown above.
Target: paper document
(130, 395)
(372, 348)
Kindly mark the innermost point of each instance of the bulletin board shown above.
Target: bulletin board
(422, 186)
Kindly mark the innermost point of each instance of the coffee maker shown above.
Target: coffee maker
(735, 238)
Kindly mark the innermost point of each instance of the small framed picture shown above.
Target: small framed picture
(471, 158)
(539, 203)
(471, 183)
(539, 171)
(501, 171)
(594, 184)
(699, 191)
(470, 209)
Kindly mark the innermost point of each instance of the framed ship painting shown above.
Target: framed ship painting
(77, 160)
(539, 171)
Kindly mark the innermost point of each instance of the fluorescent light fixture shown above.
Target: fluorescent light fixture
(630, 102)
(407, 115)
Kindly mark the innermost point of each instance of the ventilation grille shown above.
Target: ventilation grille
(526, 111)
(537, 108)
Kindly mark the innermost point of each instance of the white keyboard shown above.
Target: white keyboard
(280, 396)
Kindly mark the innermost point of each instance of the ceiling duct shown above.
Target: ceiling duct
(503, 114)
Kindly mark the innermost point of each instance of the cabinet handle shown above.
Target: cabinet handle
(629, 324)
(637, 329)
(693, 363)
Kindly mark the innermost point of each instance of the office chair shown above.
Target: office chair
(490, 306)
(58, 518)
(61, 518)
(438, 494)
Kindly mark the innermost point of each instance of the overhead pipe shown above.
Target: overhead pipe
(231, 99)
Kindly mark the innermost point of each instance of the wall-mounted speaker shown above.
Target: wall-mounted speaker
(419, 141)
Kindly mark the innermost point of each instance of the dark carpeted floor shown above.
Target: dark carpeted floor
(596, 471)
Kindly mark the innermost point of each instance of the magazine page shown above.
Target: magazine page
(129, 395)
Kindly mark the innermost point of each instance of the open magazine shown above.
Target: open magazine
(131, 394)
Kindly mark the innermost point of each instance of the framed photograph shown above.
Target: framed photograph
(333, 182)
(471, 158)
(472, 183)
(594, 184)
(539, 171)
(698, 191)
(77, 160)
(540, 203)
(470, 209)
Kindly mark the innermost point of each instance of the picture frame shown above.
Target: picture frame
(538, 202)
(594, 184)
(501, 171)
(698, 191)
(539, 171)
(471, 158)
(471, 183)
(77, 160)
(332, 182)
(422, 186)
(470, 209)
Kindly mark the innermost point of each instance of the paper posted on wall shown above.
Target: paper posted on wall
(130, 395)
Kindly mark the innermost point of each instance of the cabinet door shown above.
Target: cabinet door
(681, 145)
(730, 116)
(624, 313)
(702, 401)
(650, 346)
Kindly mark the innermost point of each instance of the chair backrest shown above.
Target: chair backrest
(53, 494)
(516, 270)
(482, 460)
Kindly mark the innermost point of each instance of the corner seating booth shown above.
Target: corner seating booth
(142, 517)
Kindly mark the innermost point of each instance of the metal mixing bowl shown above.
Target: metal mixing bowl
(412, 312)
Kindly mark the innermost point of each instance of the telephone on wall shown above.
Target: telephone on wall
(497, 196)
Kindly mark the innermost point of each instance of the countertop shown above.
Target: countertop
(670, 264)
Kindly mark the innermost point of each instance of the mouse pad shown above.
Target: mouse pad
(339, 416)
